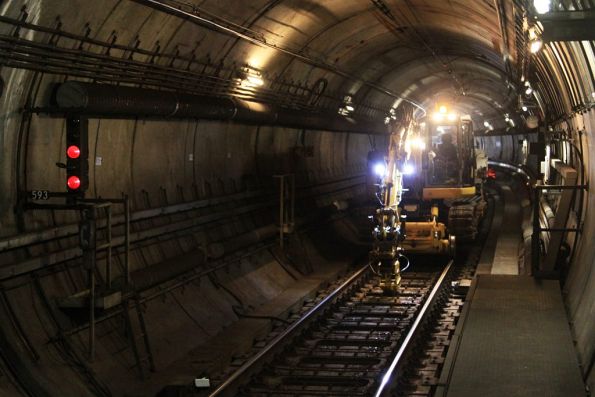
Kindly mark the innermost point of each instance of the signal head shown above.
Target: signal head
(73, 182)
(73, 152)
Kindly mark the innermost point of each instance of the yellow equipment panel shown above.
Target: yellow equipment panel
(431, 193)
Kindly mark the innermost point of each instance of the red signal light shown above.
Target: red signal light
(73, 182)
(73, 152)
(491, 173)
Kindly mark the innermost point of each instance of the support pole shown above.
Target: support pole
(108, 261)
(292, 198)
(88, 242)
(286, 205)
(535, 252)
(281, 210)
(127, 241)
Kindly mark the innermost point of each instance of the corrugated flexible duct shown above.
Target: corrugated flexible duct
(104, 101)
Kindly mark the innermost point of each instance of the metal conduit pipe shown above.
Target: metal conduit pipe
(104, 100)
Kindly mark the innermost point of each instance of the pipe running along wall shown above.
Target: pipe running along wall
(103, 100)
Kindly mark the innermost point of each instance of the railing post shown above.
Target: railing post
(127, 241)
(535, 237)
(108, 261)
(286, 205)
(88, 243)
(281, 210)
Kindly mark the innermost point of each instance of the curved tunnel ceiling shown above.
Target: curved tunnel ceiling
(390, 44)
(374, 50)
(202, 189)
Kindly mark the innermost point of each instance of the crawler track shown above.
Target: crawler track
(350, 344)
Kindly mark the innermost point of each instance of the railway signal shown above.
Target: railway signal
(77, 156)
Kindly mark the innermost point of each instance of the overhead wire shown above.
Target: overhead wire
(445, 63)
(164, 6)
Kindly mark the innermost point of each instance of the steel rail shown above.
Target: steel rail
(386, 379)
(275, 343)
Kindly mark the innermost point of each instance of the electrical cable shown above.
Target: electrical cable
(243, 306)
(408, 262)
(380, 202)
(224, 288)
(243, 315)
(194, 17)
(372, 269)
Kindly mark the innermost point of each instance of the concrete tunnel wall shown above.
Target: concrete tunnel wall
(579, 288)
(150, 161)
(156, 163)
(161, 163)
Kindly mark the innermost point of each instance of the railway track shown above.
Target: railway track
(357, 340)
(421, 375)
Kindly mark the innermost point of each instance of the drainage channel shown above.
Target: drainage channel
(353, 342)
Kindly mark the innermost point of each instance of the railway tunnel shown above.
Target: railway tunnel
(184, 182)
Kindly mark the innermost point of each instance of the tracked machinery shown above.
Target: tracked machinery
(428, 188)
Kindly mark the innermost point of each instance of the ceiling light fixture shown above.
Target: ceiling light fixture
(542, 6)
(535, 46)
(347, 108)
(250, 77)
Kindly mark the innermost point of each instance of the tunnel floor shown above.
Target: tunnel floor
(235, 341)
(513, 338)
(514, 341)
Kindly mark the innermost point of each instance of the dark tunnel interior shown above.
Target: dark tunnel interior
(226, 180)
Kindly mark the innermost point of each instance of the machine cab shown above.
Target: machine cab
(449, 162)
(449, 159)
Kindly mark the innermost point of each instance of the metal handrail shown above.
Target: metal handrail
(229, 382)
(384, 384)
